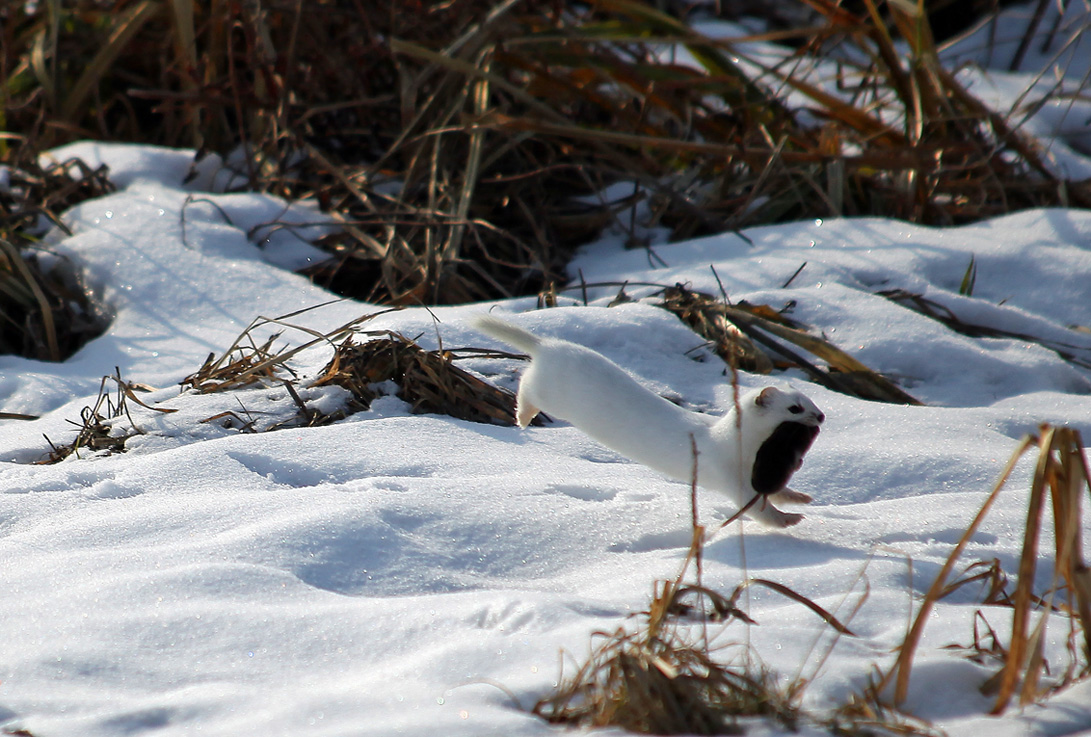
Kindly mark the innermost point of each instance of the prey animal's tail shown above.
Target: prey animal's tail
(506, 332)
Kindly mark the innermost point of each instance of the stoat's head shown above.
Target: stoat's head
(784, 423)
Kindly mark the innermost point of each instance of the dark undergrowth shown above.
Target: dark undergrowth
(464, 145)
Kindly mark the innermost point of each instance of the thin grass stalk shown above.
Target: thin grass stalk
(800, 681)
(896, 159)
(480, 98)
(1024, 591)
(890, 59)
(1006, 134)
(763, 177)
(1028, 35)
(126, 28)
(1081, 574)
(1064, 474)
(185, 34)
(186, 53)
(47, 73)
(48, 326)
(1028, 694)
(913, 26)
(433, 251)
(1065, 497)
(466, 69)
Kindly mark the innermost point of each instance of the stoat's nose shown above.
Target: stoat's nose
(821, 418)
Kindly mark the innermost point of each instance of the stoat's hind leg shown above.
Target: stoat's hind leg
(525, 411)
(764, 511)
(791, 496)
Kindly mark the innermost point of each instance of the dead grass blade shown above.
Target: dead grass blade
(783, 590)
(903, 665)
(127, 25)
(232, 420)
(1078, 355)
(16, 732)
(17, 274)
(987, 572)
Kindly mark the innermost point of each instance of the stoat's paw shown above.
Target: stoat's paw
(790, 518)
(791, 496)
(770, 516)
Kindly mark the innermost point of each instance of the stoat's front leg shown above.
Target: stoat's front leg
(790, 496)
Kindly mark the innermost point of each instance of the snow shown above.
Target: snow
(398, 573)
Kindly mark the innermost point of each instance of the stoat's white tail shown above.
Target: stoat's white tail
(508, 333)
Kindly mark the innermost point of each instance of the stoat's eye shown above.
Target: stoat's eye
(795, 409)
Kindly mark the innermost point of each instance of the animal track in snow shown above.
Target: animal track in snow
(584, 492)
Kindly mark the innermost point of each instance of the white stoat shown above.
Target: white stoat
(753, 449)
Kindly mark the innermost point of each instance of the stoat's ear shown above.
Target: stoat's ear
(767, 396)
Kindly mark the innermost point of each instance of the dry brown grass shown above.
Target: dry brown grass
(362, 361)
(761, 339)
(428, 380)
(754, 338)
(45, 313)
(100, 428)
(450, 139)
(1061, 477)
(868, 713)
(663, 676)
(249, 360)
(660, 678)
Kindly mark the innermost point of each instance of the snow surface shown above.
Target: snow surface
(411, 574)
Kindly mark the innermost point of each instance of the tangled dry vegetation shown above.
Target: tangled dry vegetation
(451, 138)
(45, 313)
(1061, 477)
(363, 362)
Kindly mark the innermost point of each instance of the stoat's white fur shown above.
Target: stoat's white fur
(576, 384)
